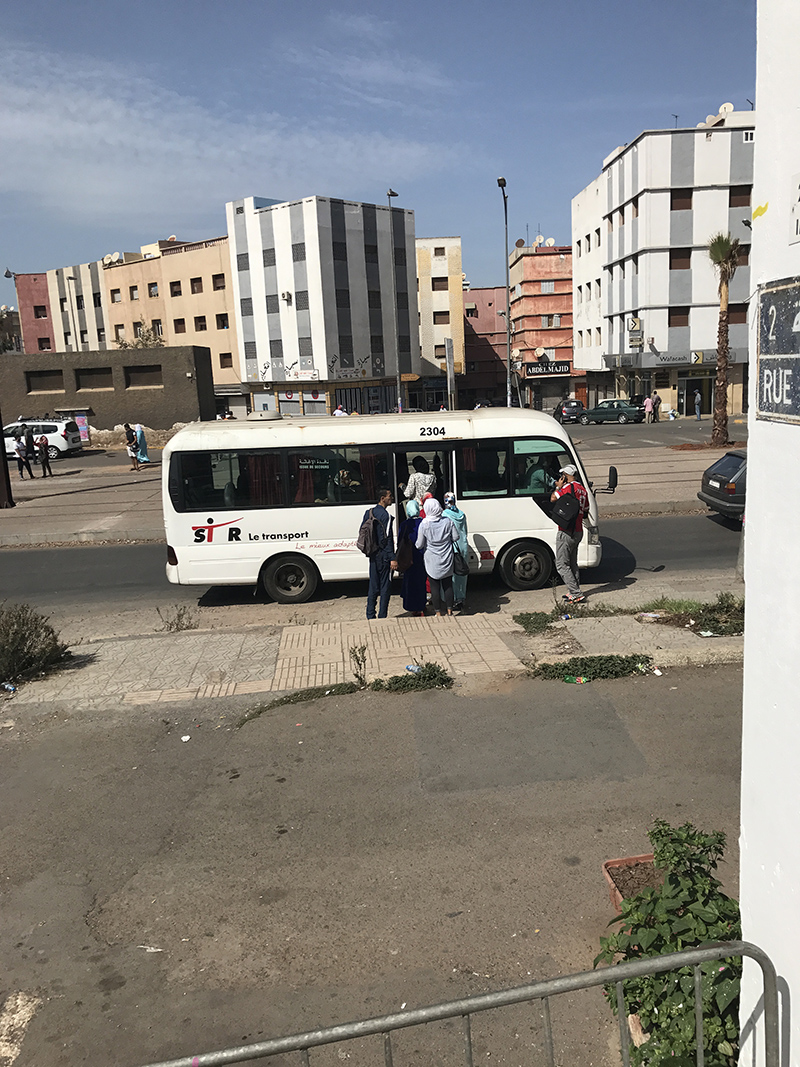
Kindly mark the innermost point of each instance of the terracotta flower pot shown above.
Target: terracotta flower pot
(625, 861)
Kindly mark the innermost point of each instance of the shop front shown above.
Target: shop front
(678, 376)
(546, 383)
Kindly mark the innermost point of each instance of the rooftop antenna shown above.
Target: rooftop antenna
(676, 117)
(527, 238)
(752, 105)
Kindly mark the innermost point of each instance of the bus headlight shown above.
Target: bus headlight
(594, 535)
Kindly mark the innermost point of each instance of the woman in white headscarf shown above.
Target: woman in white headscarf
(435, 540)
(454, 513)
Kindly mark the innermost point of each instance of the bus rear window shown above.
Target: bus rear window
(220, 481)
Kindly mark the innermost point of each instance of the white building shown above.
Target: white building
(770, 805)
(440, 299)
(640, 233)
(317, 285)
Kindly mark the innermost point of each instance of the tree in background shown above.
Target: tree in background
(146, 337)
(723, 251)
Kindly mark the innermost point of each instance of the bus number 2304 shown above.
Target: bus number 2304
(431, 431)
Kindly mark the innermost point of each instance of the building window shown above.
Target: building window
(175, 289)
(550, 353)
(680, 200)
(597, 238)
(678, 316)
(371, 253)
(305, 347)
(67, 339)
(196, 285)
(152, 288)
(580, 339)
(217, 282)
(374, 298)
(268, 257)
(45, 381)
(610, 223)
(275, 349)
(345, 345)
(748, 136)
(744, 256)
(622, 270)
(547, 322)
(598, 335)
(587, 242)
(588, 292)
(133, 292)
(298, 252)
(402, 301)
(97, 300)
(179, 325)
(597, 288)
(621, 216)
(94, 378)
(440, 351)
(250, 350)
(156, 327)
(548, 287)
(243, 261)
(119, 332)
(578, 294)
(222, 322)
(441, 318)
(376, 344)
(63, 303)
(557, 321)
(680, 259)
(737, 314)
(137, 329)
(247, 305)
(578, 247)
(440, 285)
(440, 250)
(44, 345)
(739, 196)
(39, 311)
(79, 304)
(101, 335)
(200, 323)
(116, 298)
(273, 306)
(472, 312)
(635, 208)
(225, 359)
(635, 264)
(404, 342)
(340, 250)
(301, 299)
(343, 298)
(144, 377)
(399, 257)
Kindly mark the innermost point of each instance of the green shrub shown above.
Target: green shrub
(688, 910)
(181, 618)
(28, 643)
(535, 622)
(429, 676)
(592, 667)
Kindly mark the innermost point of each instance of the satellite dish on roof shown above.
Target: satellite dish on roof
(107, 260)
(539, 240)
(726, 109)
(519, 243)
(700, 125)
(116, 257)
(538, 351)
(550, 242)
(710, 118)
(172, 237)
(3, 307)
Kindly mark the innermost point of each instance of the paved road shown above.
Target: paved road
(610, 435)
(103, 575)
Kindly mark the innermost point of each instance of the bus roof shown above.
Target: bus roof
(298, 430)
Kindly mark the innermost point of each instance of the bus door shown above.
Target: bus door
(423, 460)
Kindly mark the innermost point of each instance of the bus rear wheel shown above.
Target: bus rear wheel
(290, 579)
(526, 565)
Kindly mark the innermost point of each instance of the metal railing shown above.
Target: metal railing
(538, 991)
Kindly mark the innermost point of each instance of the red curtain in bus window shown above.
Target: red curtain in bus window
(468, 458)
(264, 480)
(304, 480)
(369, 475)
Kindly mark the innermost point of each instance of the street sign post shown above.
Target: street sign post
(778, 397)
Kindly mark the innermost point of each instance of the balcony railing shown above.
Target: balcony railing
(384, 1026)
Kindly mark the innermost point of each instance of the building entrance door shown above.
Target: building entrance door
(686, 390)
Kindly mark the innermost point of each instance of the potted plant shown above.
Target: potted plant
(687, 910)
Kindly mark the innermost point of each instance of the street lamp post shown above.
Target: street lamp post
(502, 184)
(389, 196)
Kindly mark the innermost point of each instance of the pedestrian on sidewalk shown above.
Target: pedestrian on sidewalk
(44, 457)
(141, 445)
(131, 446)
(698, 403)
(384, 561)
(435, 540)
(414, 592)
(30, 444)
(569, 536)
(656, 407)
(454, 513)
(648, 409)
(23, 463)
(420, 482)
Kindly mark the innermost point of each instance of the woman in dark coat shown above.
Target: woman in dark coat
(414, 590)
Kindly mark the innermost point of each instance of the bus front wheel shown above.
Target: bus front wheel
(290, 579)
(527, 565)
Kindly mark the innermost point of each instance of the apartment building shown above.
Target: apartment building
(440, 301)
(541, 319)
(640, 233)
(324, 293)
(485, 348)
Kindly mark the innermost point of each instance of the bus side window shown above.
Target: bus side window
(482, 468)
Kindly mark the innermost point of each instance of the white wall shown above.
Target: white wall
(770, 831)
(587, 217)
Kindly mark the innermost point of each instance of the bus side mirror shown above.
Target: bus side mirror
(613, 480)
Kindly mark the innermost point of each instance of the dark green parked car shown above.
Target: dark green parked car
(612, 411)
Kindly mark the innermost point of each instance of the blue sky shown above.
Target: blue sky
(124, 123)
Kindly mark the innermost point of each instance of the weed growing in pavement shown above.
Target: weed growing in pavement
(429, 676)
(358, 662)
(299, 697)
(535, 622)
(182, 618)
(28, 643)
(672, 606)
(591, 667)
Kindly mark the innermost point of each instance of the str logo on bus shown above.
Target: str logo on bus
(206, 533)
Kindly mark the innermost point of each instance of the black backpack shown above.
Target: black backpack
(566, 510)
(369, 534)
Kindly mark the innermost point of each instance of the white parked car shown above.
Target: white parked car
(63, 435)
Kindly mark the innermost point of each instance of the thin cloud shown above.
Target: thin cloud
(101, 144)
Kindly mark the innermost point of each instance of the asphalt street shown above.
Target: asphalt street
(341, 859)
(121, 575)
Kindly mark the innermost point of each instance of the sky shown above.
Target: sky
(124, 123)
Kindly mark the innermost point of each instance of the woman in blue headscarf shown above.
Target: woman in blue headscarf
(453, 512)
(414, 592)
(141, 444)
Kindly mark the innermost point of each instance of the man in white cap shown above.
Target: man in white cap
(570, 534)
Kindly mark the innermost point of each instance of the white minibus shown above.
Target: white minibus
(278, 500)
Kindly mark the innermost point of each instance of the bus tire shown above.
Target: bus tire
(526, 565)
(290, 579)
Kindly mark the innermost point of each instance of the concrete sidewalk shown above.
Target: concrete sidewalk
(112, 503)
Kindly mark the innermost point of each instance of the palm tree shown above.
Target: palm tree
(723, 251)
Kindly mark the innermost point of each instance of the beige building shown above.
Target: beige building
(440, 283)
(180, 290)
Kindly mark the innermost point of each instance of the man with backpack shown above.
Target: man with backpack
(376, 541)
(570, 504)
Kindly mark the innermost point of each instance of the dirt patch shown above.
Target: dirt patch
(690, 446)
(638, 876)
